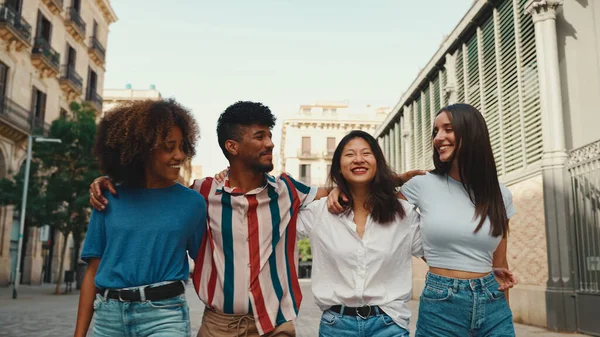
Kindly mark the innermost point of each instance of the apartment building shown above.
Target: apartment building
(52, 52)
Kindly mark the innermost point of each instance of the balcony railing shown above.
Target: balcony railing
(13, 19)
(20, 117)
(74, 17)
(68, 74)
(96, 50)
(95, 100)
(308, 154)
(43, 48)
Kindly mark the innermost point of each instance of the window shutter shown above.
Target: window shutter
(427, 123)
(436, 96)
(473, 93)
(510, 89)
(491, 107)
(460, 77)
(418, 134)
(532, 119)
(444, 82)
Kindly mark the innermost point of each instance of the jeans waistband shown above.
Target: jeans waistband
(458, 284)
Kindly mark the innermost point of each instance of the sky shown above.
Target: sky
(283, 53)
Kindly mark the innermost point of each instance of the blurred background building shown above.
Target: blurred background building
(310, 137)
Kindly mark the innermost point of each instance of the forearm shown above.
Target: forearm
(322, 193)
(503, 264)
(86, 303)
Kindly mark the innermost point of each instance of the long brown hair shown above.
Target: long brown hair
(476, 166)
(382, 202)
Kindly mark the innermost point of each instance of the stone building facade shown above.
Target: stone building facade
(52, 52)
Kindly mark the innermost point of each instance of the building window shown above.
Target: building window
(43, 29)
(330, 145)
(95, 30)
(16, 5)
(71, 57)
(63, 113)
(305, 173)
(76, 4)
(325, 110)
(333, 110)
(38, 107)
(306, 110)
(328, 170)
(92, 84)
(305, 145)
(3, 79)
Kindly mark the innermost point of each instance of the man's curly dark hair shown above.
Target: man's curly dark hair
(129, 132)
(238, 115)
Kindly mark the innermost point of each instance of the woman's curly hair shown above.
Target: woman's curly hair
(128, 134)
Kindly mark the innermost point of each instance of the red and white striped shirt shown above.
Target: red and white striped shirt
(247, 259)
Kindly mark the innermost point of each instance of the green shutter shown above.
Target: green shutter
(532, 119)
(511, 114)
(444, 81)
(418, 134)
(491, 108)
(473, 88)
(460, 76)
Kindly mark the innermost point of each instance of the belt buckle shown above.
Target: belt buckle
(365, 316)
(120, 298)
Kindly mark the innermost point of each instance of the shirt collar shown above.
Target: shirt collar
(235, 191)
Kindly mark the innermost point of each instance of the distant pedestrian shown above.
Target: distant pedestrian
(137, 247)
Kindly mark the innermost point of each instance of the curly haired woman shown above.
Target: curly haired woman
(136, 249)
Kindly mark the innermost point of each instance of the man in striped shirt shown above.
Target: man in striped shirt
(246, 269)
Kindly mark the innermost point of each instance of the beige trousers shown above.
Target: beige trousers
(217, 324)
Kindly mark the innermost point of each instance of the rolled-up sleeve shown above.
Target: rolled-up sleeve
(308, 217)
(95, 238)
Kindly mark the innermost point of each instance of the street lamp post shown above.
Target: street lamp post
(24, 205)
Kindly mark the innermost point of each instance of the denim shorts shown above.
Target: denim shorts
(334, 324)
(164, 318)
(455, 307)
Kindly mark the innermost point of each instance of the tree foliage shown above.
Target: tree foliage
(304, 250)
(59, 178)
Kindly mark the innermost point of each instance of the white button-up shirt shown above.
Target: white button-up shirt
(374, 270)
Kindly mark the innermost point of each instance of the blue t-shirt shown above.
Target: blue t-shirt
(448, 223)
(143, 234)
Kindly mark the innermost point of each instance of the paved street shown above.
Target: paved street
(38, 312)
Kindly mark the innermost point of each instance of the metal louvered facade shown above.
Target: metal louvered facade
(494, 68)
(536, 82)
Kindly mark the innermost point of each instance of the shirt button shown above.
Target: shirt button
(249, 265)
(249, 288)
(247, 239)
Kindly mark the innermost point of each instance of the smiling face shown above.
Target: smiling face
(444, 140)
(165, 161)
(255, 148)
(357, 163)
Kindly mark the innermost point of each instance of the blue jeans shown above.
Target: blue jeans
(454, 307)
(338, 325)
(164, 318)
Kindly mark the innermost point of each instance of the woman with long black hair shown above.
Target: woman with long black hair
(362, 265)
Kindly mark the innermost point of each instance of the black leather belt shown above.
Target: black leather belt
(157, 293)
(362, 312)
